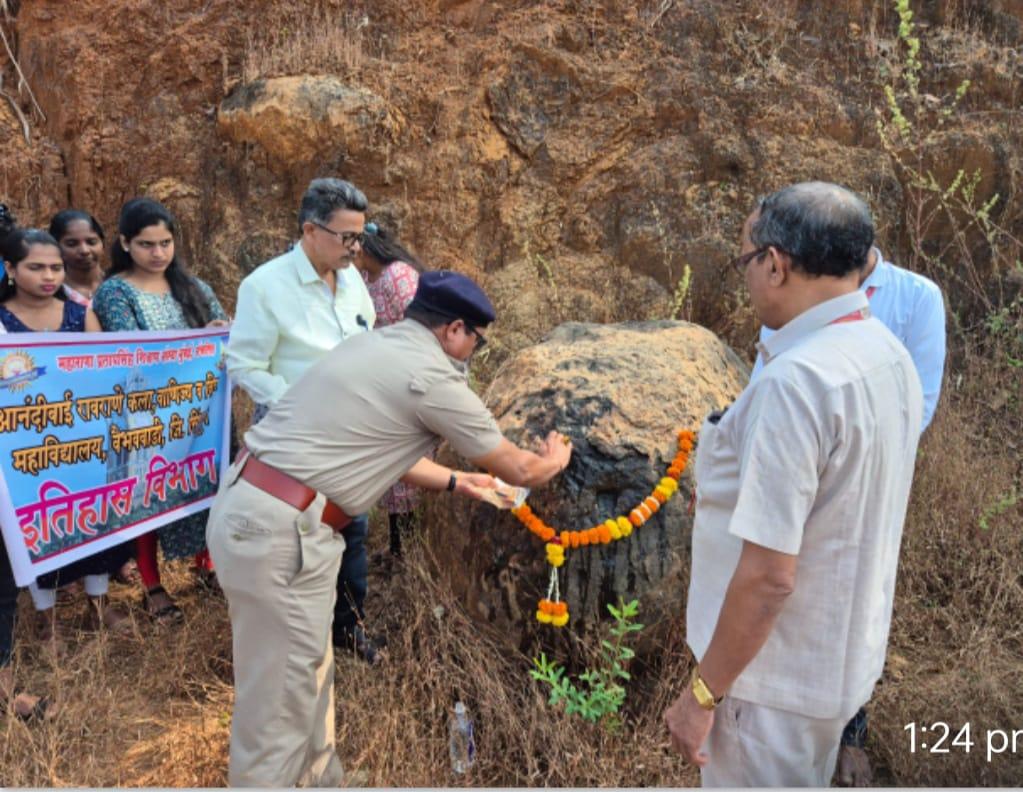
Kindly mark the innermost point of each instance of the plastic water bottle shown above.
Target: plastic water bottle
(461, 742)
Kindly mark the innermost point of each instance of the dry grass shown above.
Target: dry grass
(306, 40)
(153, 710)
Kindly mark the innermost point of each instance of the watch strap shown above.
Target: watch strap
(703, 695)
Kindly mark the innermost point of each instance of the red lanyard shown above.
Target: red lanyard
(859, 313)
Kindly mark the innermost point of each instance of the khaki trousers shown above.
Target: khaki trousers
(751, 745)
(278, 568)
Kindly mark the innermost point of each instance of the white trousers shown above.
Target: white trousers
(44, 599)
(278, 568)
(752, 745)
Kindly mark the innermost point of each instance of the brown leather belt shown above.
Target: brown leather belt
(290, 490)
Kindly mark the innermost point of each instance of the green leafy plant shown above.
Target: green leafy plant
(600, 694)
(680, 301)
(949, 225)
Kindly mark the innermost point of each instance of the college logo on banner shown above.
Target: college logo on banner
(104, 436)
(17, 370)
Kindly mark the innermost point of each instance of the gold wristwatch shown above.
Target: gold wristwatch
(701, 692)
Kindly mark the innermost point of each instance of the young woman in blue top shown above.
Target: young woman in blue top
(149, 288)
(32, 300)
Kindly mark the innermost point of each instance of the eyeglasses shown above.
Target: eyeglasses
(481, 341)
(739, 264)
(346, 238)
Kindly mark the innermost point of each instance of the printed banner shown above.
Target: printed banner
(105, 436)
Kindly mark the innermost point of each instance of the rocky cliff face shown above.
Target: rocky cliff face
(629, 139)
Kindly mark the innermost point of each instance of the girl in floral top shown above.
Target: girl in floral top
(392, 277)
(149, 288)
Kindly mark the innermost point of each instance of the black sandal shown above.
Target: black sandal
(168, 614)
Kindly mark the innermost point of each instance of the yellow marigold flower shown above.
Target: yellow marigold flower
(543, 618)
(560, 621)
(616, 532)
(625, 526)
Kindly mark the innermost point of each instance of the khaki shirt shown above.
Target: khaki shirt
(358, 419)
(814, 459)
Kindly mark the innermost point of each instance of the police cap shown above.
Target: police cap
(453, 294)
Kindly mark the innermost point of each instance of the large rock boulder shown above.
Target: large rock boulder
(621, 392)
(304, 119)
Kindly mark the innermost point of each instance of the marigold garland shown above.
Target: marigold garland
(554, 611)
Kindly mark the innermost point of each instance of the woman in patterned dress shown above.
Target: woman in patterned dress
(392, 276)
(149, 288)
(81, 241)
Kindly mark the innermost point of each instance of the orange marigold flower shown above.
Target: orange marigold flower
(652, 503)
(674, 471)
(635, 518)
(605, 534)
(563, 538)
(644, 511)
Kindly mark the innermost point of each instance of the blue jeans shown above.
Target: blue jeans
(351, 580)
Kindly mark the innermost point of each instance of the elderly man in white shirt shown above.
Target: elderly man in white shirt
(911, 306)
(802, 490)
(292, 311)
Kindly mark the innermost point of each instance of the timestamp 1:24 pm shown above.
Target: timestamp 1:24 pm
(941, 738)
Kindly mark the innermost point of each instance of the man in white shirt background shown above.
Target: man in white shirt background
(291, 311)
(911, 306)
(802, 489)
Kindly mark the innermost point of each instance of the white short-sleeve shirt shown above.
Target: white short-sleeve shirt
(814, 459)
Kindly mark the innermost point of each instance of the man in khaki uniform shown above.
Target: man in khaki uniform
(356, 422)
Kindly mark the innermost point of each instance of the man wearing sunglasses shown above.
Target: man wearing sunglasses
(291, 312)
(360, 419)
(802, 488)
